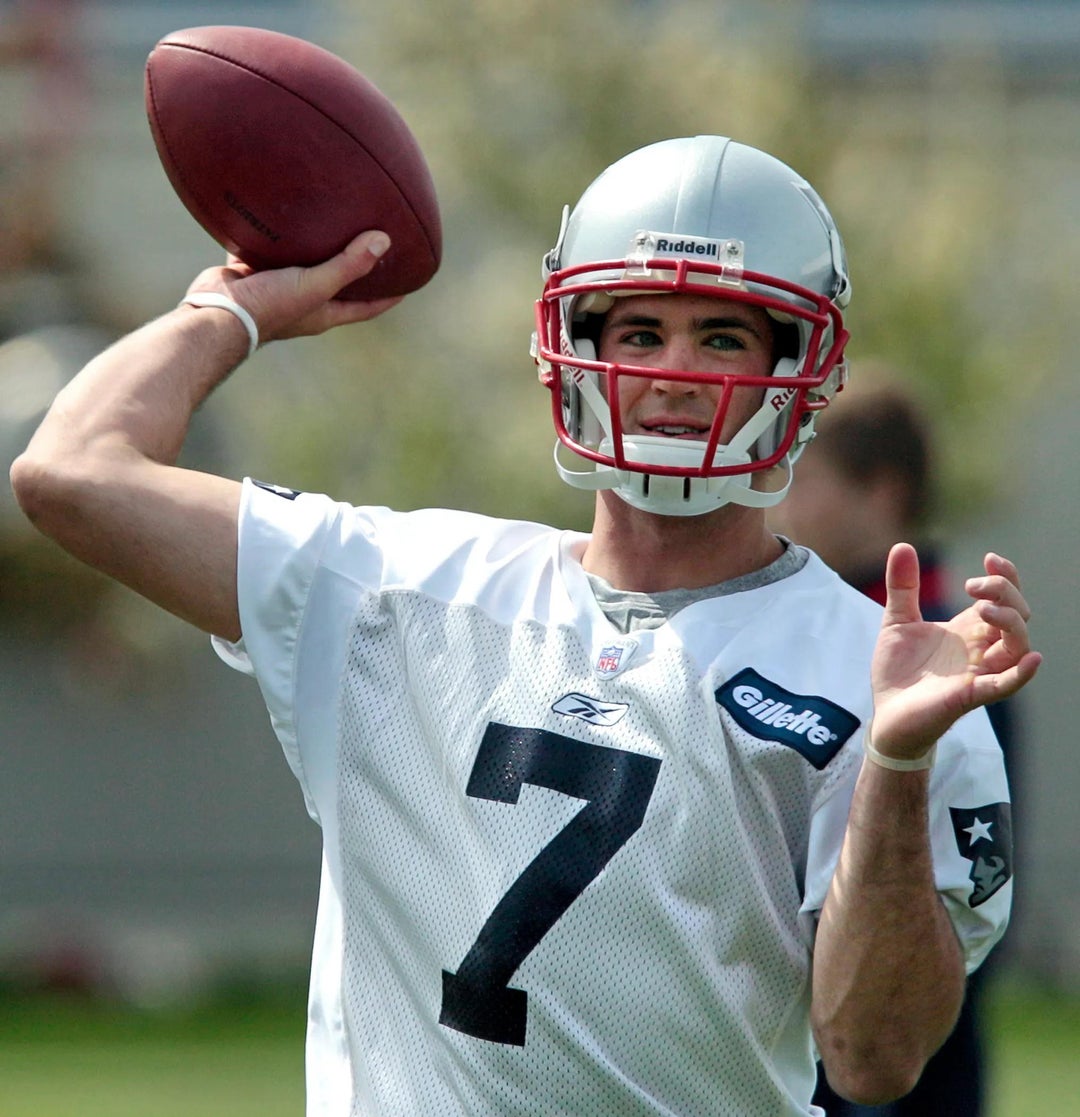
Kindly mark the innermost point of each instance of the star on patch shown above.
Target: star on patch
(979, 831)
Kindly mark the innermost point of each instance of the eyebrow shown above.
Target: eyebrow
(647, 321)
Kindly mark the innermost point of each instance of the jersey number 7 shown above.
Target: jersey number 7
(616, 786)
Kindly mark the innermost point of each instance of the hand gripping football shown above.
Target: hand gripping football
(283, 152)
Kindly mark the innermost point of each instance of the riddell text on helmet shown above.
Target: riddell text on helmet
(688, 247)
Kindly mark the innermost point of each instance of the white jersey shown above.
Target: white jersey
(569, 871)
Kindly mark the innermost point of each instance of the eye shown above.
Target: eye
(725, 342)
(641, 339)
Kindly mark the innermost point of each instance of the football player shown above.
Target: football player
(637, 821)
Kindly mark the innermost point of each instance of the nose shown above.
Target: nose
(676, 356)
(674, 389)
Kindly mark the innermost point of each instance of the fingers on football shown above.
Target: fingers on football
(355, 261)
(342, 312)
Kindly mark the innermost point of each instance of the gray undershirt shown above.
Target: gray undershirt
(628, 610)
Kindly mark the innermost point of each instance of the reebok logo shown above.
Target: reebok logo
(592, 710)
(813, 726)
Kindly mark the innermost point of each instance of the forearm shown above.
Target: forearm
(888, 970)
(142, 391)
(98, 478)
(90, 463)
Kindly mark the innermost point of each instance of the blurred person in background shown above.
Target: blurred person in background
(869, 480)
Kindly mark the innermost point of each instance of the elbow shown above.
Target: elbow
(30, 485)
(873, 1071)
(42, 491)
(873, 1082)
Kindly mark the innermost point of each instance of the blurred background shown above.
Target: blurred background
(152, 839)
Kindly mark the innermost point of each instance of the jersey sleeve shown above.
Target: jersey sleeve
(282, 538)
(970, 836)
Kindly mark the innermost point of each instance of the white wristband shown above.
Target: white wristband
(223, 302)
(919, 764)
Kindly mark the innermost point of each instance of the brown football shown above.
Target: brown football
(284, 152)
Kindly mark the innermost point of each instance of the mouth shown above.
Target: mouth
(676, 430)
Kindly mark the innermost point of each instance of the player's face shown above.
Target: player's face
(689, 333)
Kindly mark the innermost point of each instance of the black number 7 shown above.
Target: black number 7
(617, 785)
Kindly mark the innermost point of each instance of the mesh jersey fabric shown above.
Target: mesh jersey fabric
(559, 876)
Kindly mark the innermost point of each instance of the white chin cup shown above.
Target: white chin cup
(673, 496)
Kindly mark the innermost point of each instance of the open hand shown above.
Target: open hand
(927, 674)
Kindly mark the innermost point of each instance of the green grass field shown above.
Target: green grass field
(1034, 1040)
(243, 1057)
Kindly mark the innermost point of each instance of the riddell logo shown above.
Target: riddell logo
(779, 399)
(687, 246)
(813, 726)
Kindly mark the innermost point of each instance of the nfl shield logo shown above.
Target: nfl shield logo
(608, 661)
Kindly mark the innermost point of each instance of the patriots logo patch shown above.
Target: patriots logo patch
(984, 837)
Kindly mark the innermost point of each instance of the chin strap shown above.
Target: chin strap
(586, 384)
(674, 496)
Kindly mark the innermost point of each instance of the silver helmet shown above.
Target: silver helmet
(701, 216)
